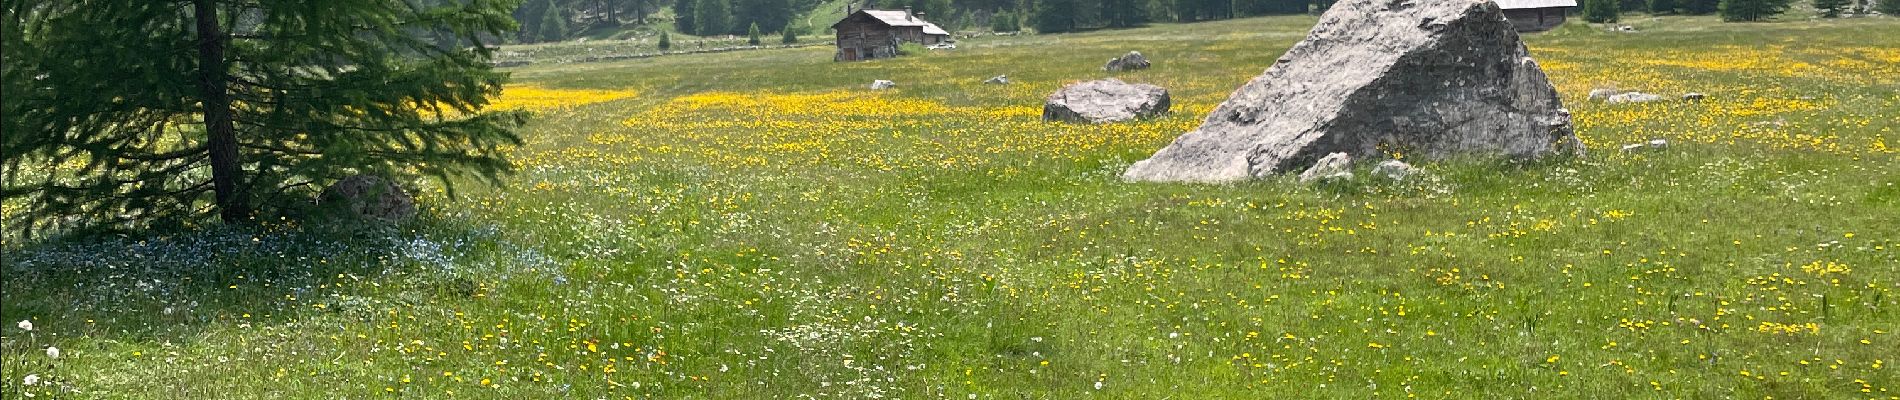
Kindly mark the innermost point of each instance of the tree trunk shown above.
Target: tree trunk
(213, 81)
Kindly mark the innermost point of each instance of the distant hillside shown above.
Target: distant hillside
(546, 21)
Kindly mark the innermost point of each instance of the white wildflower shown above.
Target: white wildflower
(1098, 385)
(52, 352)
(26, 325)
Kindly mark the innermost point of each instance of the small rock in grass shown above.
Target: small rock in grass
(1603, 94)
(1127, 62)
(1334, 166)
(998, 80)
(1652, 144)
(1107, 100)
(1694, 96)
(1395, 170)
(368, 198)
(1634, 97)
(882, 84)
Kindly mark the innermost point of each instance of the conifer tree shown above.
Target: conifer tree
(1123, 13)
(1054, 16)
(683, 16)
(1889, 7)
(178, 110)
(1600, 11)
(1752, 10)
(1699, 7)
(1662, 6)
(553, 23)
(666, 41)
(1004, 22)
(789, 37)
(713, 17)
(1830, 8)
(529, 15)
(752, 34)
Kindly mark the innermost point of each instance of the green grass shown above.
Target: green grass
(758, 225)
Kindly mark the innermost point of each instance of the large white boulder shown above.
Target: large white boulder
(1429, 78)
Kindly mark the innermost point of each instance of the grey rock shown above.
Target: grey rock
(1652, 144)
(1107, 100)
(1634, 97)
(882, 84)
(1395, 170)
(1694, 96)
(1336, 166)
(998, 80)
(1127, 62)
(1603, 94)
(368, 198)
(1433, 78)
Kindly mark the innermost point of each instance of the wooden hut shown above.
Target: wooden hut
(869, 34)
(1535, 15)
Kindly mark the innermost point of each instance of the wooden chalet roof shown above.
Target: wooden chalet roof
(1522, 4)
(899, 18)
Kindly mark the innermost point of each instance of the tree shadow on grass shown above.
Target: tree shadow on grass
(168, 287)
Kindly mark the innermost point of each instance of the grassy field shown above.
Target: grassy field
(759, 225)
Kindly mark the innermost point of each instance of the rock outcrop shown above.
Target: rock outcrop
(1107, 100)
(1430, 79)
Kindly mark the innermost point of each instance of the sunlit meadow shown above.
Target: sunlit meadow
(759, 225)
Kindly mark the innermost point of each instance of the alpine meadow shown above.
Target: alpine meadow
(595, 217)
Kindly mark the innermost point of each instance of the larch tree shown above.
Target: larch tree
(553, 22)
(683, 15)
(1831, 8)
(712, 17)
(1054, 16)
(1662, 6)
(1699, 7)
(1600, 11)
(123, 113)
(1752, 10)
